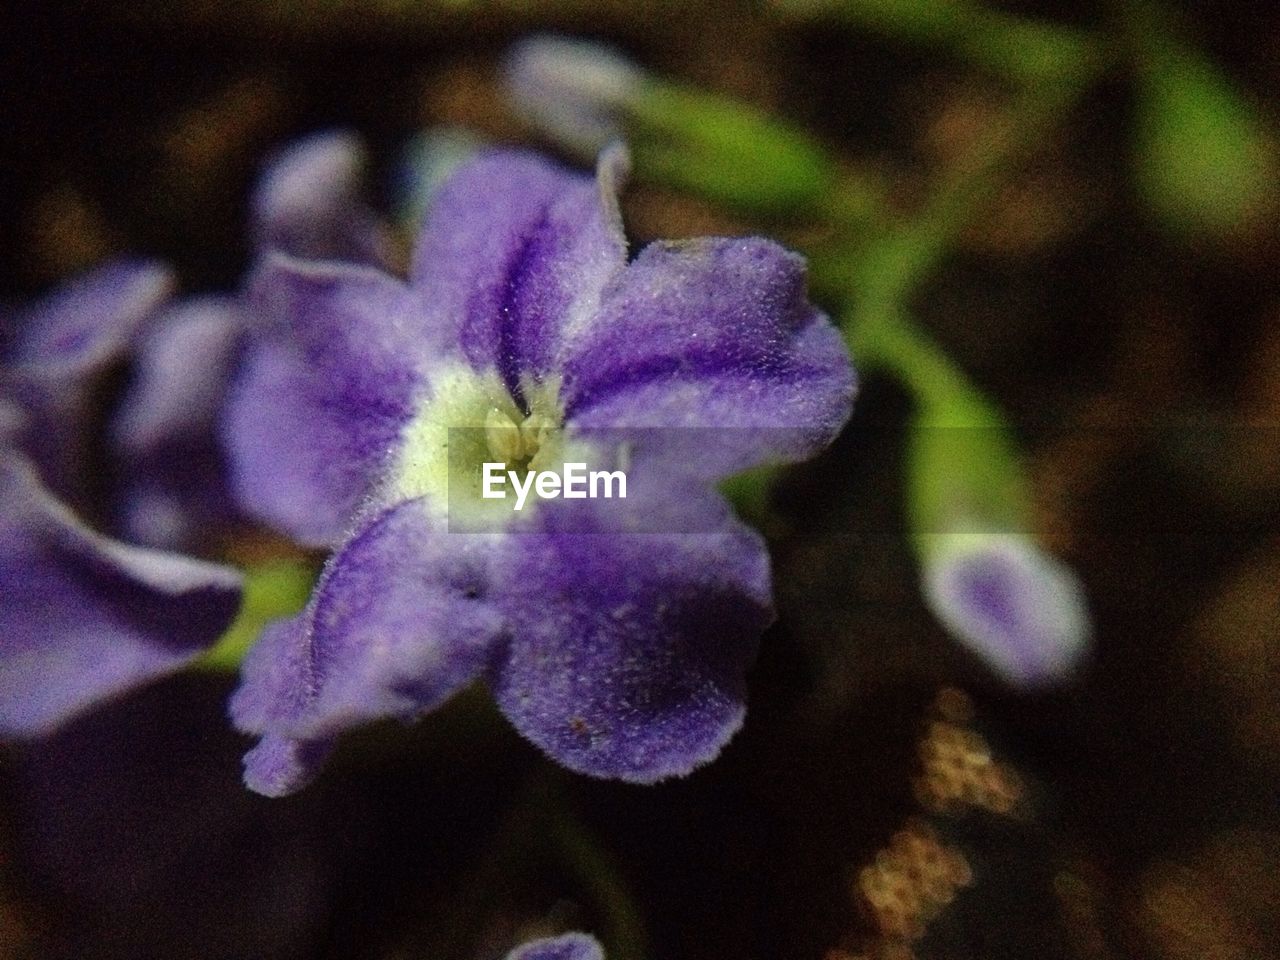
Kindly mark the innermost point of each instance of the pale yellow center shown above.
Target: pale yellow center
(469, 420)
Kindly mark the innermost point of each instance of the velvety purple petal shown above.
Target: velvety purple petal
(275, 688)
(274, 677)
(54, 348)
(279, 766)
(325, 386)
(629, 653)
(1015, 606)
(713, 335)
(400, 620)
(514, 255)
(568, 946)
(83, 618)
(164, 432)
(308, 202)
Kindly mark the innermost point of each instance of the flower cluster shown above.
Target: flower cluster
(86, 617)
(351, 410)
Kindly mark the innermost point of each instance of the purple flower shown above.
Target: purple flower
(568, 946)
(367, 406)
(83, 617)
(86, 618)
(306, 203)
(1019, 609)
(53, 353)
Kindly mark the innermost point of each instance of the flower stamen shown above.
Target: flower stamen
(517, 445)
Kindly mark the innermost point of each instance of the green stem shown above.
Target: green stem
(884, 273)
(583, 854)
(891, 341)
(1022, 51)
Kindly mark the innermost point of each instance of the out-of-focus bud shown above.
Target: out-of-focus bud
(1022, 611)
(584, 94)
(1204, 161)
(574, 91)
(969, 513)
(308, 201)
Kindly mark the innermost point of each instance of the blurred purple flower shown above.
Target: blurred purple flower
(85, 618)
(574, 90)
(620, 654)
(568, 946)
(307, 203)
(54, 353)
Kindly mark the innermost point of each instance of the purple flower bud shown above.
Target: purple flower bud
(1019, 609)
(308, 201)
(573, 90)
(568, 946)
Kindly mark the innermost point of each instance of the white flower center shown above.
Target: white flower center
(518, 444)
(468, 420)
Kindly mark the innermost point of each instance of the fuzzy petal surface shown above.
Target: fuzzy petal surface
(629, 653)
(322, 393)
(514, 254)
(713, 347)
(401, 619)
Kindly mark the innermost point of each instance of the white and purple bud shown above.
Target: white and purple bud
(1018, 608)
(309, 201)
(573, 90)
(584, 95)
(970, 516)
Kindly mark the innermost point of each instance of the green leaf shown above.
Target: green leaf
(726, 151)
(1204, 162)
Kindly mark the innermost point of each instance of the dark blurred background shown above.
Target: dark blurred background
(1133, 814)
